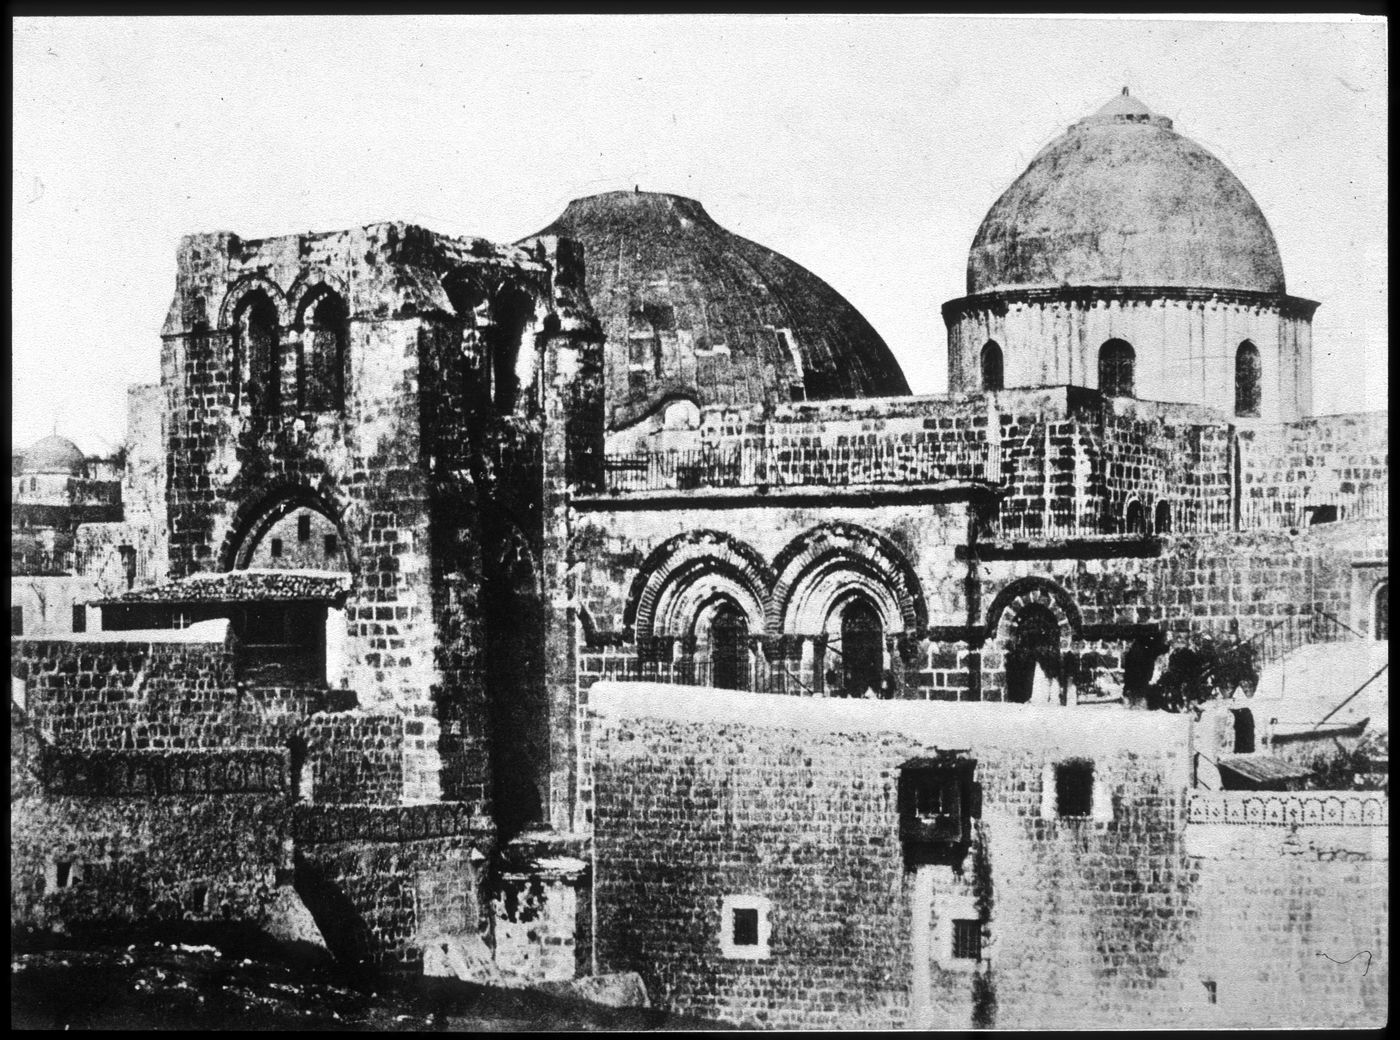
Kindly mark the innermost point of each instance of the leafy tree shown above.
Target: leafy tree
(1205, 670)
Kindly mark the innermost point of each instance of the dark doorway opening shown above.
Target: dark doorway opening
(729, 654)
(1035, 641)
(862, 648)
(1244, 730)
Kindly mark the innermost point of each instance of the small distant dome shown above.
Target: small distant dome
(693, 310)
(54, 454)
(1121, 199)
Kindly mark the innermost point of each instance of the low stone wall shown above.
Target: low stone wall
(382, 881)
(125, 858)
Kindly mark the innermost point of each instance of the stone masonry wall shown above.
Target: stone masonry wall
(1085, 921)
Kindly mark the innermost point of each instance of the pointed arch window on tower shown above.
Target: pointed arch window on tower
(256, 348)
(1116, 359)
(992, 376)
(321, 382)
(1247, 379)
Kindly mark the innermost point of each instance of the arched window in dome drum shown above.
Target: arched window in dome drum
(1247, 377)
(1116, 359)
(991, 366)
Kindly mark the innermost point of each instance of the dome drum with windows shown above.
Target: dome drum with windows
(1129, 259)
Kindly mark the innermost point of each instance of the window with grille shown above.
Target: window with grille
(967, 940)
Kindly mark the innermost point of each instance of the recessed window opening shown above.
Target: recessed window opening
(1134, 518)
(992, 375)
(16, 621)
(321, 377)
(1116, 360)
(1247, 379)
(1212, 995)
(1162, 518)
(745, 927)
(79, 618)
(1380, 612)
(967, 940)
(1074, 788)
(511, 313)
(64, 873)
(304, 527)
(256, 346)
(331, 544)
(275, 548)
(1321, 515)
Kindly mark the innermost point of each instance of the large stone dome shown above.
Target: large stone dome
(54, 454)
(693, 310)
(1123, 200)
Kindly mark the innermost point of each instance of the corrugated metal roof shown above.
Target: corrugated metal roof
(250, 586)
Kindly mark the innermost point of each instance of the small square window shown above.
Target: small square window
(275, 549)
(304, 527)
(332, 545)
(1074, 788)
(967, 940)
(79, 618)
(745, 926)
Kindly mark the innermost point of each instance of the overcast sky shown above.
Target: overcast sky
(868, 149)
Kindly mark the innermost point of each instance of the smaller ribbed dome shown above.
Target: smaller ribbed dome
(54, 454)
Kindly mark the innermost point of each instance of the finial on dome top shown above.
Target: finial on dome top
(1124, 108)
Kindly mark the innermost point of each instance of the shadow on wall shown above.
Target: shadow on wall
(347, 935)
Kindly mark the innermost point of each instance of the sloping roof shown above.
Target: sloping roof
(1121, 199)
(250, 586)
(1262, 769)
